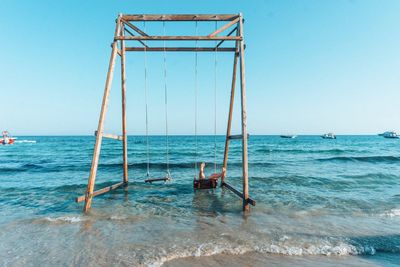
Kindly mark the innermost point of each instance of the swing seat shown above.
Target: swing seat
(205, 183)
(150, 180)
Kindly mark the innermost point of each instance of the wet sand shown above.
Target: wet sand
(254, 259)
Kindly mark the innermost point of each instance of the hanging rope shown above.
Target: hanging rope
(168, 175)
(145, 97)
(215, 102)
(195, 106)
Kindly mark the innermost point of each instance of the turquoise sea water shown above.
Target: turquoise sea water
(330, 198)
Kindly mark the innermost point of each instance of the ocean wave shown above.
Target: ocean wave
(391, 213)
(22, 168)
(304, 151)
(369, 159)
(49, 168)
(210, 249)
(25, 141)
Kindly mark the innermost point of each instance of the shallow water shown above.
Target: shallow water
(329, 199)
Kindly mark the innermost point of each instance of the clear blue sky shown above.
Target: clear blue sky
(312, 67)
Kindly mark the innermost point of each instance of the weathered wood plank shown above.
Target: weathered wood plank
(99, 137)
(150, 180)
(229, 34)
(239, 194)
(237, 136)
(231, 104)
(111, 136)
(178, 38)
(100, 192)
(128, 31)
(246, 206)
(123, 102)
(223, 28)
(133, 27)
(179, 17)
(179, 49)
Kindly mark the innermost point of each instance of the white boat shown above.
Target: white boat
(329, 136)
(390, 134)
(288, 136)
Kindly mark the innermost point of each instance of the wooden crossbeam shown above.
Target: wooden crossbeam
(100, 192)
(223, 28)
(179, 38)
(133, 27)
(238, 193)
(111, 136)
(179, 17)
(140, 41)
(237, 136)
(229, 34)
(179, 49)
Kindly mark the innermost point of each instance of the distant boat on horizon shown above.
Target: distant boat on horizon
(390, 134)
(328, 136)
(291, 136)
(7, 139)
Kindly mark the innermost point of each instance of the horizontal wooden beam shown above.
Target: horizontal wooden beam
(179, 17)
(111, 136)
(179, 38)
(150, 180)
(100, 192)
(238, 193)
(229, 34)
(180, 49)
(237, 136)
(128, 31)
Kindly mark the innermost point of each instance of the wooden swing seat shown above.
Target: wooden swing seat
(205, 183)
(150, 180)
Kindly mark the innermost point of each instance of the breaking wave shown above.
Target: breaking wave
(391, 213)
(301, 151)
(210, 249)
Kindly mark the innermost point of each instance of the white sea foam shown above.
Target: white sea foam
(118, 217)
(203, 250)
(210, 249)
(391, 213)
(66, 219)
(25, 141)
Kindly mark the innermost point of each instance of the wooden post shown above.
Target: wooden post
(99, 136)
(228, 128)
(245, 163)
(123, 95)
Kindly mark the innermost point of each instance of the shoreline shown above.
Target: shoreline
(256, 259)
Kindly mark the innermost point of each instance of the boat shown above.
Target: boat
(288, 136)
(329, 136)
(390, 134)
(7, 139)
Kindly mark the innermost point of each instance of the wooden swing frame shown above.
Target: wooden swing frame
(124, 24)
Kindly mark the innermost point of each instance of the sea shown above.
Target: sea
(318, 203)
